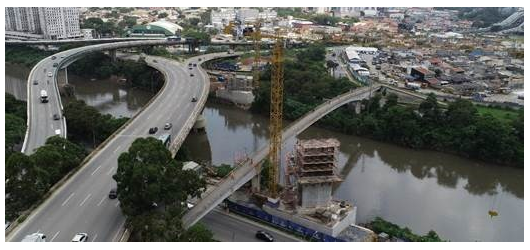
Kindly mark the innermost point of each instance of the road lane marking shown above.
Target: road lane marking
(111, 170)
(95, 237)
(83, 202)
(101, 201)
(55, 235)
(96, 170)
(119, 146)
(116, 235)
(67, 199)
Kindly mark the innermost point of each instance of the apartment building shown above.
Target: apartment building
(51, 22)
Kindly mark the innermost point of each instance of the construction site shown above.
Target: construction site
(303, 202)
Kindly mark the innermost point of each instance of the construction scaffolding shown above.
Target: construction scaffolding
(315, 164)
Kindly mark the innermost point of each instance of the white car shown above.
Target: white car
(35, 237)
(50, 74)
(80, 237)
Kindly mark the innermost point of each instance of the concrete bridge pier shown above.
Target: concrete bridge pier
(357, 107)
(112, 54)
(255, 182)
(200, 124)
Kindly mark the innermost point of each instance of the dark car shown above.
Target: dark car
(53, 57)
(264, 236)
(113, 194)
(35, 82)
(200, 59)
(155, 61)
(55, 64)
(194, 65)
(153, 130)
(56, 117)
(189, 64)
(194, 99)
(191, 74)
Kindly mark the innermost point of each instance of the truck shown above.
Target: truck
(43, 96)
(35, 237)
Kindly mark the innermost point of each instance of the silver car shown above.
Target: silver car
(80, 237)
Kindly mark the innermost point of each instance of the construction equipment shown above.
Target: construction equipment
(276, 114)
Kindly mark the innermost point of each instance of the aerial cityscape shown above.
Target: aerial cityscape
(253, 124)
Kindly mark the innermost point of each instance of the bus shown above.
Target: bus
(43, 96)
(165, 138)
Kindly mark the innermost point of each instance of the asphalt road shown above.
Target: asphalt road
(229, 227)
(41, 124)
(82, 204)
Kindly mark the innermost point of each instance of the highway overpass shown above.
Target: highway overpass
(81, 204)
(40, 124)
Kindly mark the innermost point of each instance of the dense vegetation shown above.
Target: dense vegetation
(25, 55)
(460, 129)
(86, 124)
(378, 225)
(153, 191)
(99, 65)
(306, 84)
(28, 178)
(15, 124)
(222, 170)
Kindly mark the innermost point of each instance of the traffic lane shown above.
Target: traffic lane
(230, 228)
(73, 214)
(114, 212)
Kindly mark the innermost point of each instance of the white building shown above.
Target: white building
(247, 15)
(87, 33)
(222, 17)
(51, 22)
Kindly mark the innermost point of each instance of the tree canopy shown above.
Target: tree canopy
(153, 190)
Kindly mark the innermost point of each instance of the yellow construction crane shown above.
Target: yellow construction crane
(276, 114)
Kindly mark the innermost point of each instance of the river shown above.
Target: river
(422, 190)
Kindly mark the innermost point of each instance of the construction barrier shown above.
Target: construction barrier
(280, 222)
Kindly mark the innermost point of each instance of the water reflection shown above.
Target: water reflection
(421, 189)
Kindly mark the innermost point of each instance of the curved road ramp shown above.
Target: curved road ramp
(81, 203)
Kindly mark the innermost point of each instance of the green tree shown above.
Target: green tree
(223, 170)
(23, 185)
(147, 174)
(162, 15)
(197, 233)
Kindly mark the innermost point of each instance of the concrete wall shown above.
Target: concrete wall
(238, 97)
(333, 230)
(316, 195)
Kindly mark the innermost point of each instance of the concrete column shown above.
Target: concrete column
(112, 54)
(256, 183)
(357, 107)
(66, 75)
(200, 123)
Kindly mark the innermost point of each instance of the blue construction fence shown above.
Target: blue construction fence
(280, 222)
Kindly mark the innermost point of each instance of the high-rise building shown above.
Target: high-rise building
(51, 22)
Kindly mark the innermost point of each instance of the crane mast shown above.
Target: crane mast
(276, 114)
